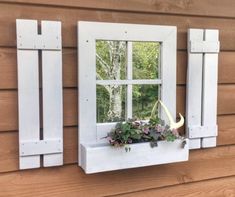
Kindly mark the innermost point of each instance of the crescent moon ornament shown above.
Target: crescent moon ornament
(173, 124)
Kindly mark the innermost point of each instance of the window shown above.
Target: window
(123, 70)
(127, 79)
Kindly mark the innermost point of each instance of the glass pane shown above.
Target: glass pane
(144, 98)
(110, 103)
(146, 56)
(111, 60)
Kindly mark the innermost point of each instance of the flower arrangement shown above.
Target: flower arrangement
(136, 131)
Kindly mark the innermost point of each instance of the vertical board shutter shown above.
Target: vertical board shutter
(202, 77)
(29, 42)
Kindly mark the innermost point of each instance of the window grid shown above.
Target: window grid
(130, 82)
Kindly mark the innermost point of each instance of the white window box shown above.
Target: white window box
(103, 157)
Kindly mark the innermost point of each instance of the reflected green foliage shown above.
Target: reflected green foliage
(145, 60)
(144, 97)
(111, 61)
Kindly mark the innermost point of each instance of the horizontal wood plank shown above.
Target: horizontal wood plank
(9, 142)
(226, 67)
(226, 129)
(70, 180)
(226, 99)
(209, 188)
(8, 68)
(192, 7)
(70, 16)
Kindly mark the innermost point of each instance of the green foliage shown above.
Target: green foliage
(133, 131)
(145, 60)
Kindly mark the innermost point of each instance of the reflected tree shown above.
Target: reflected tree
(111, 59)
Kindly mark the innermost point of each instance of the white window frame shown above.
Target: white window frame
(89, 32)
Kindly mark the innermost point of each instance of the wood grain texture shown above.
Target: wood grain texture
(69, 18)
(192, 7)
(226, 69)
(9, 112)
(70, 180)
(8, 68)
(226, 130)
(226, 99)
(209, 188)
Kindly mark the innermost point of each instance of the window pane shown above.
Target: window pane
(111, 60)
(144, 98)
(110, 103)
(146, 56)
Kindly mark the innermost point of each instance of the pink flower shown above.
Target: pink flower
(110, 139)
(145, 130)
(159, 128)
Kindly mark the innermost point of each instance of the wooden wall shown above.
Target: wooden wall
(209, 172)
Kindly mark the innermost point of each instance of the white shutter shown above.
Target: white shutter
(203, 48)
(29, 42)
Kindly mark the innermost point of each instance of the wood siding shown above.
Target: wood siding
(209, 172)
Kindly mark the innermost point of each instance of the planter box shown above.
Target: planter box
(100, 158)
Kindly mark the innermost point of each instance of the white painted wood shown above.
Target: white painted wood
(88, 33)
(168, 73)
(87, 88)
(194, 143)
(194, 86)
(100, 158)
(52, 103)
(28, 103)
(28, 37)
(129, 77)
(40, 147)
(52, 90)
(202, 81)
(28, 43)
(202, 131)
(130, 82)
(51, 32)
(124, 31)
(208, 142)
(204, 46)
(210, 80)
